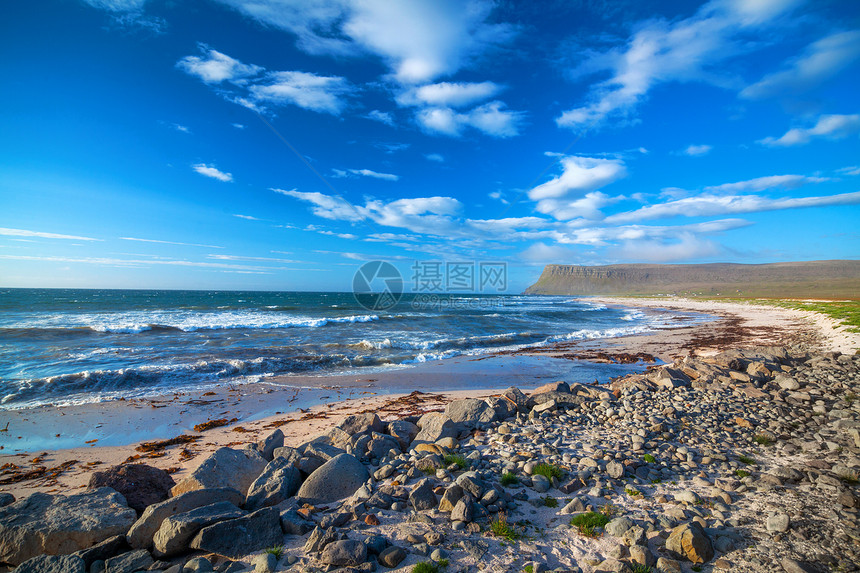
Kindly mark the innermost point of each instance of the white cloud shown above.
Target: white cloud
(374, 174)
(446, 94)
(326, 206)
(661, 51)
(684, 247)
(850, 170)
(310, 91)
(107, 261)
(827, 126)
(216, 67)
(768, 182)
(435, 157)
(139, 240)
(117, 5)
(707, 205)
(213, 172)
(542, 253)
(247, 217)
(491, 119)
(381, 116)
(579, 175)
(697, 150)
(820, 61)
(587, 207)
(238, 126)
(42, 235)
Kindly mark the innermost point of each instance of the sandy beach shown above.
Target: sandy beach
(59, 447)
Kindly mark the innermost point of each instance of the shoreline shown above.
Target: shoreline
(250, 410)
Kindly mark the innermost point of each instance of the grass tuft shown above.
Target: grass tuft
(649, 459)
(529, 569)
(501, 528)
(550, 501)
(746, 460)
(762, 440)
(548, 470)
(639, 568)
(587, 522)
(508, 478)
(461, 462)
(632, 491)
(277, 551)
(429, 566)
(742, 473)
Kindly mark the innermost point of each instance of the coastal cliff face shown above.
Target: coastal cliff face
(813, 279)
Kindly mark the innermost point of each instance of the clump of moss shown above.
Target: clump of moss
(746, 460)
(508, 478)
(460, 461)
(587, 522)
(763, 440)
(742, 473)
(548, 470)
(649, 459)
(550, 501)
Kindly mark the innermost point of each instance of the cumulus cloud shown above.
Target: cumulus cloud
(491, 118)
(447, 94)
(213, 172)
(662, 51)
(697, 150)
(254, 87)
(828, 126)
(820, 61)
(573, 193)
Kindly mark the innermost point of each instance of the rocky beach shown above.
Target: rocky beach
(738, 453)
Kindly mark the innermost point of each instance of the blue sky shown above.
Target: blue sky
(273, 144)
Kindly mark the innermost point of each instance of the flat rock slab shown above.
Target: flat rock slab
(237, 538)
(55, 524)
(138, 560)
(177, 530)
(225, 467)
(336, 479)
(141, 533)
(52, 564)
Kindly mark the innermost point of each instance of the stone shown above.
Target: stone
(346, 552)
(618, 526)
(517, 398)
(787, 382)
(104, 550)
(689, 541)
(293, 523)
(236, 538)
(450, 498)
(52, 564)
(197, 565)
(270, 443)
(666, 565)
(140, 484)
(687, 496)
(559, 386)
(464, 510)
(319, 538)
(791, 566)
(612, 566)
(6, 499)
(336, 479)
(292, 454)
(402, 431)
(361, 423)
(422, 496)
(392, 557)
(778, 523)
(130, 562)
(540, 483)
(279, 481)
(55, 524)
(615, 470)
(641, 555)
(225, 467)
(141, 533)
(470, 412)
(634, 536)
(433, 426)
(265, 563)
(177, 530)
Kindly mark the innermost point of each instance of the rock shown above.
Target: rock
(574, 506)
(141, 533)
(687, 496)
(361, 423)
(641, 556)
(392, 557)
(615, 470)
(177, 530)
(319, 538)
(270, 443)
(540, 483)
(346, 552)
(292, 454)
(104, 550)
(52, 564)
(54, 524)
(787, 382)
(236, 538)
(666, 565)
(517, 398)
(404, 432)
(618, 526)
(422, 496)
(279, 481)
(450, 498)
(634, 536)
(6, 499)
(294, 524)
(778, 523)
(690, 542)
(470, 412)
(792, 566)
(130, 562)
(265, 563)
(612, 566)
(336, 479)
(464, 510)
(225, 467)
(433, 426)
(140, 484)
(475, 548)
(197, 565)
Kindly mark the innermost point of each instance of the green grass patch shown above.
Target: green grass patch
(587, 522)
(277, 551)
(846, 312)
(427, 567)
(631, 491)
(461, 462)
(550, 501)
(746, 460)
(742, 473)
(696, 568)
(529, 569)
(763, 440)
(508, 478)
(639, 568)
(649, 459)
(850, 397)
(548, 470)
(501, 528)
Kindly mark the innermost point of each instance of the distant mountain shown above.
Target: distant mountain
(812, 279)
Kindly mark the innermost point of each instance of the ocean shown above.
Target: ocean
(67, 346)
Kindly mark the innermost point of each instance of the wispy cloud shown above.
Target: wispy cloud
(381, 116)
(827, 126)
(139, 240)
(374, 174)
(247, 217)
(767, 182)
(820, 61)
(435, 157)
(449, 94)
(696, 150)
(491, 119)
(214, 67)
(213, 172)
(251, 259)
(117, 5)
(134, 262)
(42, 235)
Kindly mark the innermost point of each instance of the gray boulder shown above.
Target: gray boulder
(270, 443)
(336, 479)
(54, 524)
(291, 454)
(141, 533)
(104, 550)
(130, 562)
(689, 541)
(470, 412)
(517, 398)
(346, 552)
(319, 538)
(278, 482)
(435, 426)
(361, 423)
(236, 538)
(402, 431)
(392, 557)
(177, 530)
(52, 564)
(464, 510)
(422, 497)
(225, 467)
